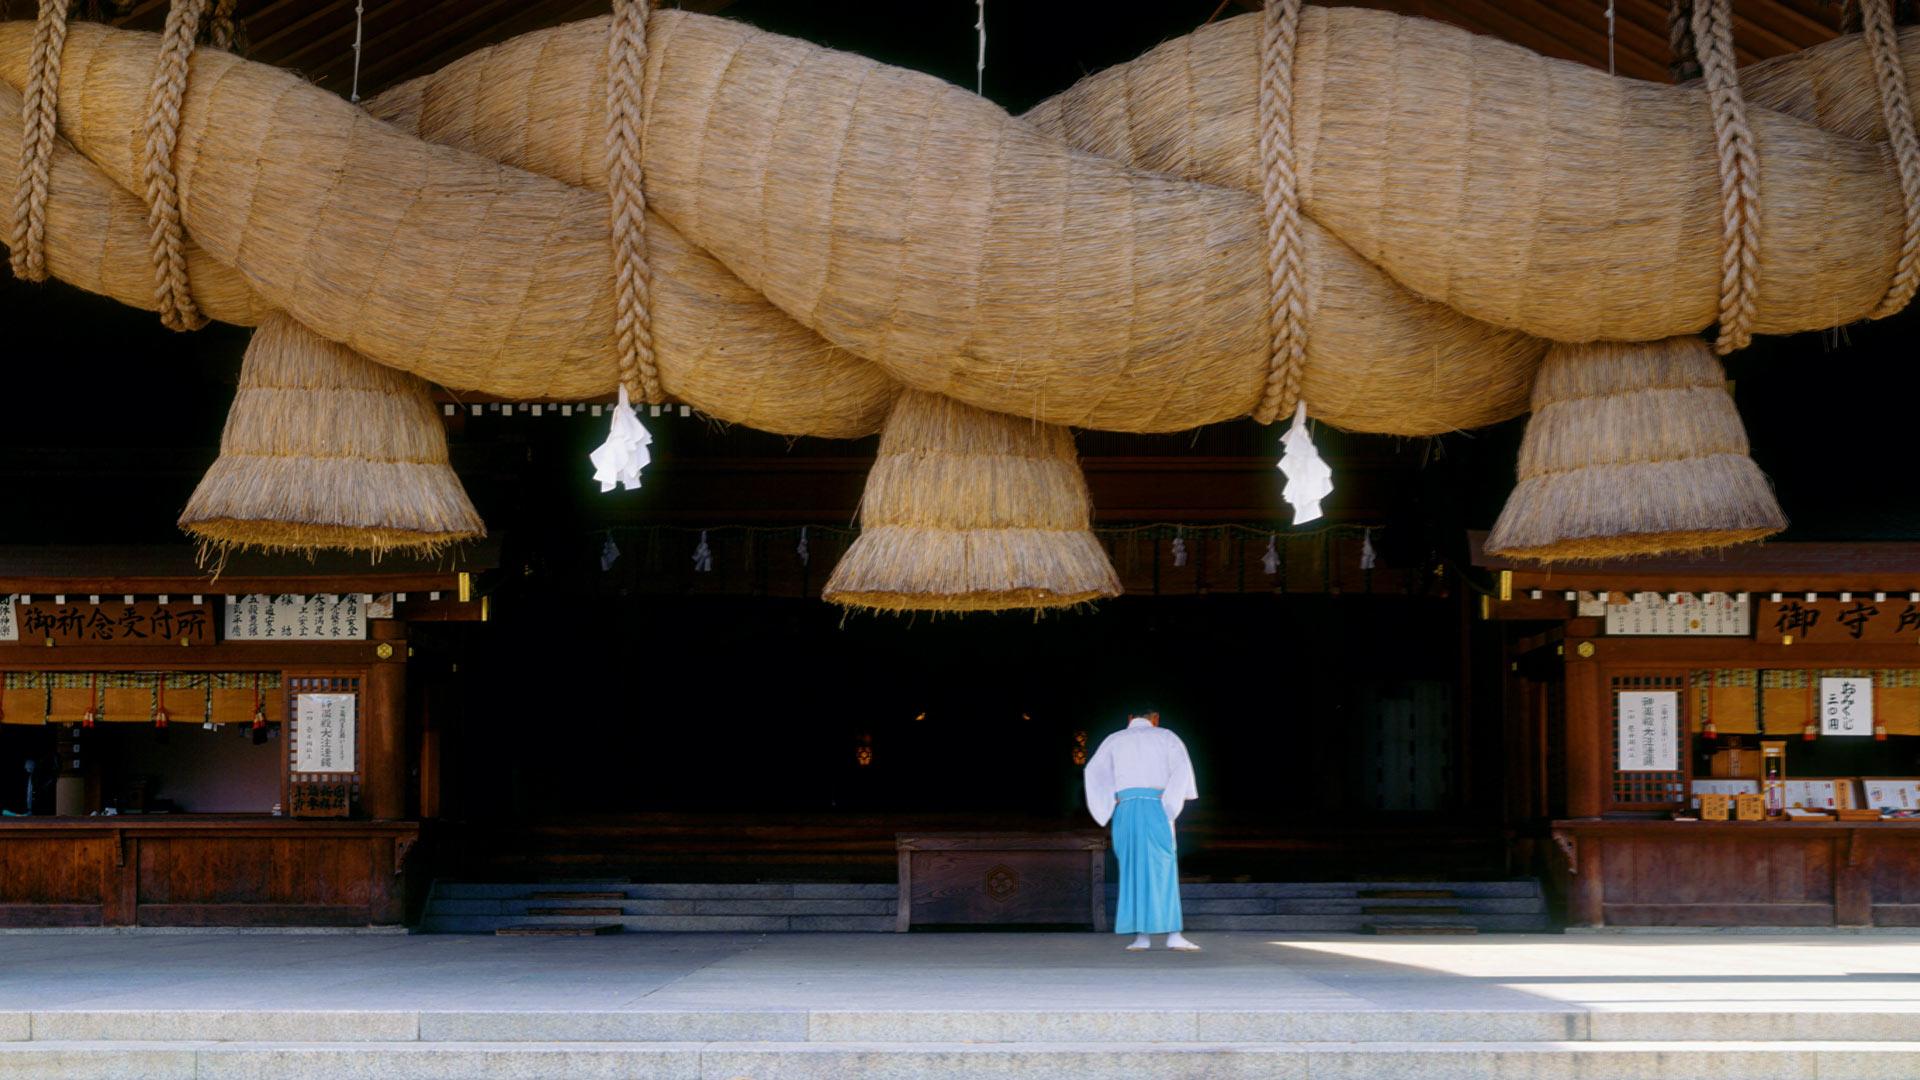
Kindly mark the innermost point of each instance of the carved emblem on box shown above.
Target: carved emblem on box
(1002, 882)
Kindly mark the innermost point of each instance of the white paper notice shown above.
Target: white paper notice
(286, 617)
(9, 626)
(1687, 615)
(1846, 707)
(325, 734)
(1649, 731)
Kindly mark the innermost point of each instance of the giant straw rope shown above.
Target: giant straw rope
(823, 229)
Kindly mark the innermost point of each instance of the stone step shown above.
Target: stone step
(961, 1060)
(894, 1026)
(1522, 888)
(595, 930)
(1264, 906)
(701, 924)
(1457, 931)
(470, 890)
(1305, 923)
(662, 907)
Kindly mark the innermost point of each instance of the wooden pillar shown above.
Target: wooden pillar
(1586, 892)
(384, 789)
(1852, 880)
(1586, 737)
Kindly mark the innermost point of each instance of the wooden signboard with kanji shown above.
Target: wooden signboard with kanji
(1859, 618)
(321, 799)
(139, 623)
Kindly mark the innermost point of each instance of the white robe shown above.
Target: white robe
(1141, 756)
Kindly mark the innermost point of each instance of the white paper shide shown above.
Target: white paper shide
(1649, 731)
(324, 738)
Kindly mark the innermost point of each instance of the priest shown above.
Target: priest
(1141, 778)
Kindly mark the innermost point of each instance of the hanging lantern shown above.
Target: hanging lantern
(863, 749)
(1079, 748)
(92, 715)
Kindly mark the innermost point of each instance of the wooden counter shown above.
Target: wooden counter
(1740, 873)
(202, 870)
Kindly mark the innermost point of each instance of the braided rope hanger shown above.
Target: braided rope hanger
(633, 320)
(619, 460)
(168, 239)
(28, 239)
(172, 294)
(1711, 23)
(1896, 108)
(1280, 190)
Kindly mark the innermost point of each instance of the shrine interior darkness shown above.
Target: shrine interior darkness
(581, 697)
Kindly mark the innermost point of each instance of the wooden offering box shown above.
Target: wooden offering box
(1003, 878)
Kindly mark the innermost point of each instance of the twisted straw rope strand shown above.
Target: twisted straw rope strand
(1712, 22)
(171, 292)
(633, 320)
(220, 25)
(1896, 106)
(28, 240)
(1280, 190)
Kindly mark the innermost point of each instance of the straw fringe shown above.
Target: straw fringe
(904, 568)
(967, 510)
(1633, 450)
(326, 449)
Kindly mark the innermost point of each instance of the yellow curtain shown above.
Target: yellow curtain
(1730, 697)
(23, 698)
(1786, 701)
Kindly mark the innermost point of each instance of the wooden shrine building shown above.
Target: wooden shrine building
(645, 689)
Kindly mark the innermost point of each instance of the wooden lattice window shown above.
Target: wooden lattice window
(299, 782)
(1638, 790)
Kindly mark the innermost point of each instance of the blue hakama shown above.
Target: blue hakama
(1149, 868)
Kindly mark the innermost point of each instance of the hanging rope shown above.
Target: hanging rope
(1712, 24)
(1896, 106)
(169, 243)
(39, 119)
(220, 25)
(633, 321)
(1685, 64)
(1280, 188)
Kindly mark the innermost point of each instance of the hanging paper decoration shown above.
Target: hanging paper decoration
(1309, 479)
(620, 459)
(1179, 547)
(703, 555)
(609, 551)
(1367, 555)
(1270, 562)
(802, 549)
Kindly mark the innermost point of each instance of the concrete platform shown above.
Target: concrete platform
(954, 1006)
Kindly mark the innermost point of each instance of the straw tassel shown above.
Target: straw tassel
(325, 449)
(968, 510)
(1633, 449)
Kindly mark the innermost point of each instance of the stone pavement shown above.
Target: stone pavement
(712, 1007)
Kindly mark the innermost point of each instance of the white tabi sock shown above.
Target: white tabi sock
(1175, 941)
(1141, 942)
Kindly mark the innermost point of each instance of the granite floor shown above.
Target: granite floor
(1027, 973)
